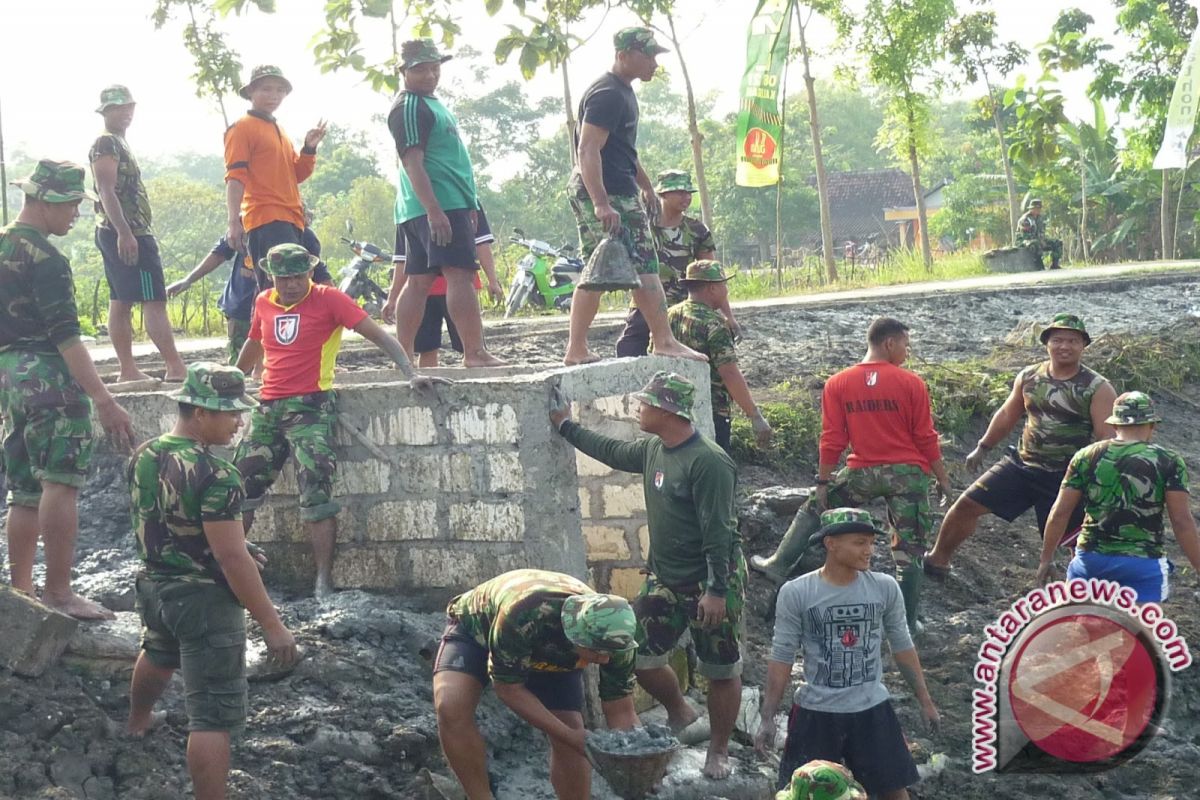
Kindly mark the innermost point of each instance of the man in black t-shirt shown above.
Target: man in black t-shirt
(604, 193)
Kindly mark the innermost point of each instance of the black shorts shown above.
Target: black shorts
(870, 743)
(722, 431)
(635, 338)
(1011, 486)
(423, 257)
(261, 239)
(429, 335)
(140, 283)
(458, 652)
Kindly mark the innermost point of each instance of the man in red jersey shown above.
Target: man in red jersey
(297, 326)
(882, 412)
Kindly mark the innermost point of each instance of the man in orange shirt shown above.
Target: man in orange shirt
(263, 172)
(882, 412)
(296, 329)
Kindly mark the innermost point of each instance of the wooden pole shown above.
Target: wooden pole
(779, 183)
(3, 173)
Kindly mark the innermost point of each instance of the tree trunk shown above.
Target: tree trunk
(694, 130)
(814, 126)
(569, 105)
(1014, 207)
(1166, 218)
(919, 193)
(1083, 198)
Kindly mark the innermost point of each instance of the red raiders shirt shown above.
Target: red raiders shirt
(301, 342)
(882, 412)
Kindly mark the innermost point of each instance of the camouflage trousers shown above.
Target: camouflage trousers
(665, 612)
(303, 428)
(47, 424)
(905, 490)
(635, 227)
(239, 330)
(1051, 246)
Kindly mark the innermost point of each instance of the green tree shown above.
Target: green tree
(346, 155)
(369, 204)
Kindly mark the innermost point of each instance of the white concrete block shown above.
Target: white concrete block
(585, 502)
(618, 405)
(489, 522)
(405, 425)
(492, 423)
(605, 543)
(459, 473)
(624, 501)
(361, 477)
(402, 520)
(449, 568)
(504, 472)
(588, 467)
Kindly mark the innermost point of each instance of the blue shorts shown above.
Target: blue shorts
(1146, 576)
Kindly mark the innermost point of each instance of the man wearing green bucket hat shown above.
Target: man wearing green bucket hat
(822, 780)
(198, 575)
(47, 386)
(838, 616)
(1124, 485)
(696, 573)
(1031, 233)
(530, 633)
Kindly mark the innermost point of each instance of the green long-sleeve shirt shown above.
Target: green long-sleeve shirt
(689, 502)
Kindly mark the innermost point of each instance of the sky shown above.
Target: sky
(51, 73)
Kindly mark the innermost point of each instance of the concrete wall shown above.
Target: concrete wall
(441, 490)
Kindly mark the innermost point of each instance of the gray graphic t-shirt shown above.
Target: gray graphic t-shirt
(840, 630)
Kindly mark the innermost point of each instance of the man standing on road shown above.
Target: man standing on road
(1031, 233)
(697, 574)
(126, 242)
(604, 193)
(198, 577)
(1066, 406)
(47, 386)
(436, 204)
(697, 323)
(839, 615)
(529, 633)
(1124, 484)
(297, 330)
(680, 240)
(882, 412)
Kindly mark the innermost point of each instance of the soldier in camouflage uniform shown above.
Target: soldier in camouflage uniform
(530, 633)
(696, 573)
(126, 241)
(1065, 405)
(1125, 484)
(1031, 233)
(199, 576)
(47, 386)
(697, 323)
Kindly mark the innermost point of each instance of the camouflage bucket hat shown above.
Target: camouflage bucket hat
(1133, 408)
(1036, 202)
(599, 622)
(839, 521)
(670, 392)
(55, 182)
(260, 72)
(217, 387)
(638, 39)
(705, 271)
(822, 780)
(674, 180)
(115, 95)
(421, 51)
(288, 259)
(1066, 322)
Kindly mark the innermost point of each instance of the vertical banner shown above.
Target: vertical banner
(1181, 114)
(759, 124)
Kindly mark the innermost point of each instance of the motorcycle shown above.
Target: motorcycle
(544, 276)
(356, 279)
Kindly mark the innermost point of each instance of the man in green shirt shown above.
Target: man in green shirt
(697, 573)
(47, 386)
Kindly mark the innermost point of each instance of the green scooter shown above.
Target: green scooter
(545, 276)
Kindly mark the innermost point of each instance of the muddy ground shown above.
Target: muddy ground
(355, 720)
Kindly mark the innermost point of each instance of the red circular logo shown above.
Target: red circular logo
(1083, 688)
(759, 147)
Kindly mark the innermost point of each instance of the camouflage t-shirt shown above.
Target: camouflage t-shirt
(517, 616)
(677, 247)
(37, 294)
(175, 486)
(1124, 487)
(705, 330)
(1058, 415)
(1030, 228)
(130, 190)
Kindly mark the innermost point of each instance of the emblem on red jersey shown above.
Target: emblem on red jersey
(658, 479)
(872, 377)
(287, 328)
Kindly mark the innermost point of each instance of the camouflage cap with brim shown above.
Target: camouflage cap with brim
(55, 182)
(421, 51)
(670, 392)
(1035, 202)
(288, 259)
(113, 96)
(260, 72)
(216, 387)
(638, 39)
(705, 270)
(599, 622)
(822, 780)
(1133, 408)
(673, 180)
(840, 521)
(1066, 322)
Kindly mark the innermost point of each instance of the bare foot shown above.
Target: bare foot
(680, 720)
(717, 766)
(136, 375)
(679, 351)
(175, 378)
(78, 607)
(482, 358)
(572, 359)
(138, 729)
(324, 588)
